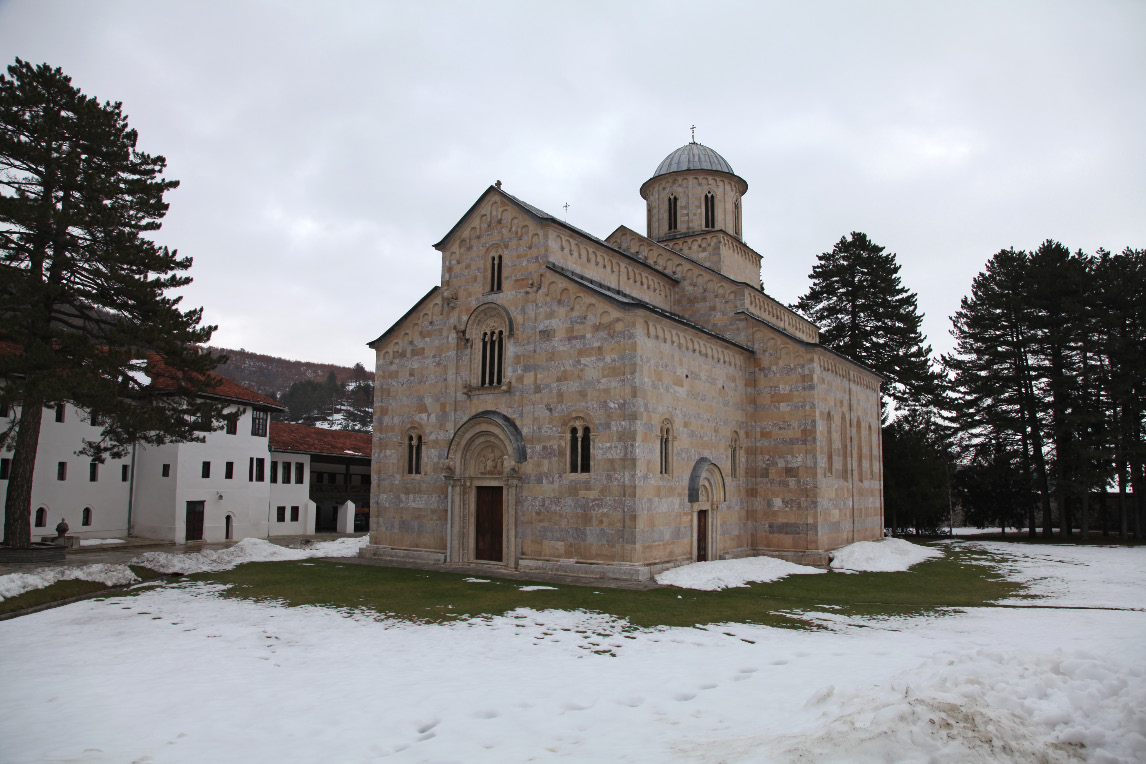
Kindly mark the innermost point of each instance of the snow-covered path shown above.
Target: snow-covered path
(180, 675)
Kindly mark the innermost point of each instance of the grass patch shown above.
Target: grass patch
(63, 590)
(1021, 537)
(954, 581)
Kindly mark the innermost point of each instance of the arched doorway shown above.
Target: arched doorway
(228, 528)
(484, 479)
(705, 495)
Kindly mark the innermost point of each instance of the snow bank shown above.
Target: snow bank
(722, 574)
(99, 542)
(987, 706)
(883, 556)
(14, 584)
(247, 550)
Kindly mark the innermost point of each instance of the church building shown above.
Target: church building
(614, 408)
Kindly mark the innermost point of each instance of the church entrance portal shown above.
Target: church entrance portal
(488, 524)
(484, 480)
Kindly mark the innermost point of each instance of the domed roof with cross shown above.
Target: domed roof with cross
(693, 156)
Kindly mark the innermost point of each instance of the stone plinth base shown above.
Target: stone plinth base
(817, 558)
(588, 570)
(71, 542)
(405, 555)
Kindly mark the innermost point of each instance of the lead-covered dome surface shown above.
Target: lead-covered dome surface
(693, 156)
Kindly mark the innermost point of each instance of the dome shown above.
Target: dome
(693, 156)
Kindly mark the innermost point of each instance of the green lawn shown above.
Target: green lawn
(62, 590)
(953, 581)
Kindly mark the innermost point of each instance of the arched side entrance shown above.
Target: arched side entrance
(705, 495)
(484, 482)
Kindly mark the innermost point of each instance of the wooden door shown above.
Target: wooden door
(702, 535)
(488, 524)
(195, 510)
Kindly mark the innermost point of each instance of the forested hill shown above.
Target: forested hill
(273, 376)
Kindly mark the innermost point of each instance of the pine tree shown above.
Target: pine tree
(83, 291)
(997, 387)
(1119, 294)
(864, 311)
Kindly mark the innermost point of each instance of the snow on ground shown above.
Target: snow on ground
(247, 550)
(1068, 576)
(14, 584)
(99, 542)
(180, 674)
(884, 556)
(722, 574)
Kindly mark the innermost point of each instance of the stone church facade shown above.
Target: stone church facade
(617, 407)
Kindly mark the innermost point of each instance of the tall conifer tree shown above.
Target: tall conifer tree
(864, 311)
(83, 291)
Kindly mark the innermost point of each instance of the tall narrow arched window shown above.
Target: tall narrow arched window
(870, 453)
(413, 453)
(736, 215)
(845, 465)
(495, 272)
(672, 208)
(42, 517)
(831, 446)
(859, 451)
(492, 358)
(666, 439)
(487, 333)
(709, 210)
(580, 449)
(734, 456)
(86, 516)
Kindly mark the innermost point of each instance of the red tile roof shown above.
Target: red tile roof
(164, 378)
(315, 440)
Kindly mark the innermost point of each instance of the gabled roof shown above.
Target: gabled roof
(374, 343)
(540, 216)
(301, 439)
(617, 297)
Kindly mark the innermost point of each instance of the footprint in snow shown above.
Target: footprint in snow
(683, 696)
(485, 714)
(422, 730)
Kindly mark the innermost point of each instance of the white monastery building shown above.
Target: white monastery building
(253, 478)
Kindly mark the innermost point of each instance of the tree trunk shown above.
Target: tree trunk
(1122, 501)
(1084, 516)
(1136, 483)
(1103, 516)
(18, 505)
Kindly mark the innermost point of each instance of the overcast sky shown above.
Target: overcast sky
(322, 148)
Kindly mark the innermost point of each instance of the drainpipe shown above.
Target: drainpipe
(131, 490)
